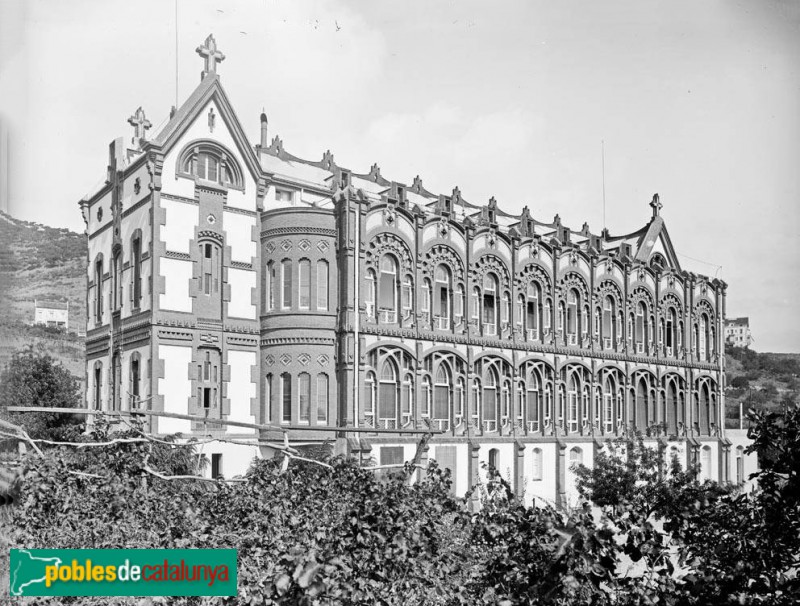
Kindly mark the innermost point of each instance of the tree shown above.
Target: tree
(36, 379)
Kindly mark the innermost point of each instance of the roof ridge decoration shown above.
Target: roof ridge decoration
(211, 55)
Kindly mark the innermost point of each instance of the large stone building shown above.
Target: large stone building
(239, 281)
(737, 332)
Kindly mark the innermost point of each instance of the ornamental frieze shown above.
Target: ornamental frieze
(606, 288)
(491, 263)
(573, 280)
(534, 271)
(384, 243)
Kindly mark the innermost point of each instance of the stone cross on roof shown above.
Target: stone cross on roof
(212, 56)
(656, 205)
(140, 125)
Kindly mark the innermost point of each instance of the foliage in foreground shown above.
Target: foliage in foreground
(313, 535)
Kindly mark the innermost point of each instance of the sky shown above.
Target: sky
(698, 101)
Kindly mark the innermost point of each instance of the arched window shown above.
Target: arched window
(441, 397)
(458, 305)
(520, 315)
(304, 284)
(705, 409)
(442, 295)
(536, 464)
(490, 399)
(573, 393)
(609, 313)
(372, 397)
(494, 458)
(705, 462)
(266, 413)
(642, 405)
(209, 161)
(407, 296)
(427, 396)
(476, 302)
(477, 409)
(672, 328)
(270, 285)
(286, 284)
(548, 312)
(286, 398)
(134, 382)
(641, 323)
(490, 304)
(575, 456)
(739, 464)
(426, 295)
(387, 396)
(322, 285)
(505, 405)
(703, 331)
(573, 318)
(547, 413)
(116, 282)
(387, 289)
(98, 290)
(672, 409)
(136, 267)
(533, 312)
(506, 309)
(98, 385)
(304, 396)
(458, 404)
(407, 399)
(609, 393)
(532, 401)
(369, 295)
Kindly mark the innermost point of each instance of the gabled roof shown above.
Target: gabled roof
(210, 89)
(656, 230)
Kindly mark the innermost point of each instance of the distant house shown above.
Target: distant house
(737, 332)
(51, 313)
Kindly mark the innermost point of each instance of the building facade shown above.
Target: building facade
(737, 332)
(51, 313)
(238, 281)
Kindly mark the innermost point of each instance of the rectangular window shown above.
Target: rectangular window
(304, 294)
(206, 397)
(406, 295)
(207, 284)
(304, 396)
(137, 272)
(322, 285)
(267, 414)
(208, 251)
(286, 398)
(322, 399)
(270, 286)
(216, 465)
(284, 195)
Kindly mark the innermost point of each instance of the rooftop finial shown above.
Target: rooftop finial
(656, 205)
(140, 125)
(212, 56)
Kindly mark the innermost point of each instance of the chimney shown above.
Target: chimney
(264, 124)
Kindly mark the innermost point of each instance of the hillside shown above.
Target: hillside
(41, 262)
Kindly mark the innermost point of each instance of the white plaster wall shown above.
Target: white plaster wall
(236, 458)
(178, 230)
(140, 219)
(175, 387)
(544, 489)
(588, 459)
(177, 274)
(505, 465)
(105, 204)
(460, 478)
(239, 236)
(241, 388)
(710, 471)
(738, 437)
(199, 129)
(242, 282)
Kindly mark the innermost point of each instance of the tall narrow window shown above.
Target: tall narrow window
(572, 406)
(286, 281)
(407, 296)
(304, 284)
(136, 262)
(533, 311)
(98, 385)
(476, 303)
(458, 304)
(322, 399)
(425, 302)
(387, 289)
(286, 398)
(490, 399)
(441, 397)
(641, 322)
(490, 304)
(134, 380)
(608, 322)
(210, 268)
(369, 295)
(322, 285)
(387, 396)
(304, 396)
(267, 416)
(442, 295)
(116, 283)
(494, 458)
(532, 403)
(703, 334)
(270, 286)
(98, 291)
(536, 471)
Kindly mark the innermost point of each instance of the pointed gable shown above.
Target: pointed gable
(656, 240)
